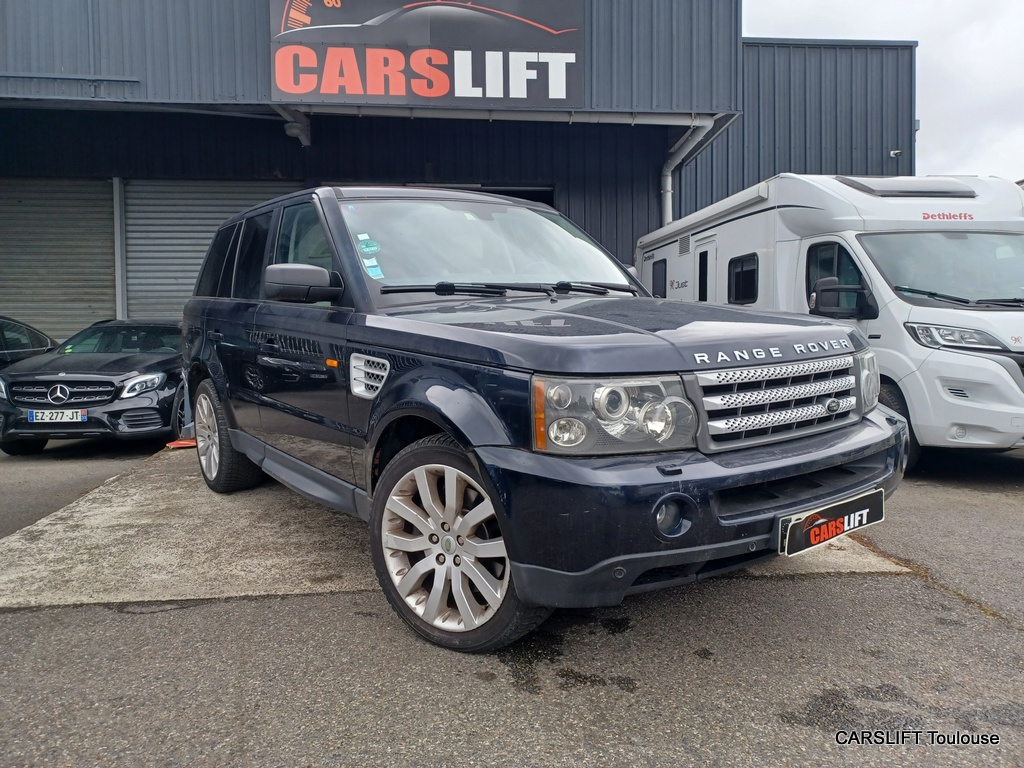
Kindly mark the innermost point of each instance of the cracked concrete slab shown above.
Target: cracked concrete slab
(157, 533)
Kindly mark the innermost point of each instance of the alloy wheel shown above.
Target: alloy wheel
(443, 549)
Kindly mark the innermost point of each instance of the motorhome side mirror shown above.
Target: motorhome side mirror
(302, 283)
(824, 301)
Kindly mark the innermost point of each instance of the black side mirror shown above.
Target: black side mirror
(824, 301)
(302, 283)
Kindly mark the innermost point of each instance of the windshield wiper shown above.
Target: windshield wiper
(447, 289)
(596, 288)
(1012, 302)
(932, 294)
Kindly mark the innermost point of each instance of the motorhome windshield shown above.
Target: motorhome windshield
(971, 265)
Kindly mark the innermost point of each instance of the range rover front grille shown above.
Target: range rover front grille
(741, 407)
(80, 394)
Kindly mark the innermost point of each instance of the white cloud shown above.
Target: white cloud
(970, 69)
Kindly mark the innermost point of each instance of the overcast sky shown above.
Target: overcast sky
(970, 69)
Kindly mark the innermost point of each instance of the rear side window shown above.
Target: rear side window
(251, 251)
(15, 338)
(215, 277)
(743, 279)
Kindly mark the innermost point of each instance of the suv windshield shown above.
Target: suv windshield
(416, 242)
(971, 265)
(122, 339)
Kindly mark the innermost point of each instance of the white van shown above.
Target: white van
(930, 268)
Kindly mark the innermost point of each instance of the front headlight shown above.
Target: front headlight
(588, 417)
(3, 390)
(938, 336)
(870, 384)
(144, 383)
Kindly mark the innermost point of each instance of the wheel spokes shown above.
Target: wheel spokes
(438, 554)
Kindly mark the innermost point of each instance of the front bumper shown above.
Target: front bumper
(582, 532)
(142, 416)
(967, 400)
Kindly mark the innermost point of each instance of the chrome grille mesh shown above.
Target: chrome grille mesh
(752, 406)
(80, 393)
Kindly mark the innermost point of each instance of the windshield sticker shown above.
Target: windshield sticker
(369, 247)
(370, 263)
(375, 273)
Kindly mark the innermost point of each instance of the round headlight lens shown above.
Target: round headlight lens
(567, 432)
(611, 403)
(559, 396)
(657, 420)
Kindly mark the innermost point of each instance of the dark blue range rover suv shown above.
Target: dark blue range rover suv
(521, 425)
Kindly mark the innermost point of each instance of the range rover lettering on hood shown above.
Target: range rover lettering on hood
(754, 354)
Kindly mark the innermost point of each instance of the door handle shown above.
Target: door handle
(215, 336)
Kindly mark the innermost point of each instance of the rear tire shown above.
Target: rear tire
(224, 469)
(178, 413)
(439, 553)
(891, 397)
(23, 447)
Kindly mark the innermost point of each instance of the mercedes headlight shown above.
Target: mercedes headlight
(870, 384)
(939, 336)
(587, 417)
(140, 384)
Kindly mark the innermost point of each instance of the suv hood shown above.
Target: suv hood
(604, 335)
(92, 363)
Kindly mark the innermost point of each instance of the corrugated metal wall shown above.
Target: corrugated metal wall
(169, 226)
(603, 176)
(832, 107)
(644, 55)
(57, 253)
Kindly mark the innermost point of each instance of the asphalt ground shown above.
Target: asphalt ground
(152, 622)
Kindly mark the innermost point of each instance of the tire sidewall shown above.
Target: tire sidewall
(493, 633)
(206, 389)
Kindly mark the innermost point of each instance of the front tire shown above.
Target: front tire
(891, 397)
(224, 469)
(439, 553)
(23, 447)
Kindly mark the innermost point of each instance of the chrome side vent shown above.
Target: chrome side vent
(367, 375)
(684, 245)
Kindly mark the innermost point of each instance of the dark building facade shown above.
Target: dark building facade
(130, 129)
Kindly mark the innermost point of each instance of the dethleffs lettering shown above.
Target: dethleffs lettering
(426, 72)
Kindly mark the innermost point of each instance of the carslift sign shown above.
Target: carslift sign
(492, 54)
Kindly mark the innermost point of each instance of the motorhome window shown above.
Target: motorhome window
(974, 265)
(659, 281)
(702, 276)
(833, 260)
(743, 279)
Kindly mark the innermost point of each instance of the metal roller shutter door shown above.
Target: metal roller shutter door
(57, 253)
(168, 227)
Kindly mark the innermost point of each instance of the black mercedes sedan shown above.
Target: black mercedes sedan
(116, 378)
(19, 340)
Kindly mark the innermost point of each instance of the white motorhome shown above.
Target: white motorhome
(931, 269)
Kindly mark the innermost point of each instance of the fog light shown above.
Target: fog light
(669, 518)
